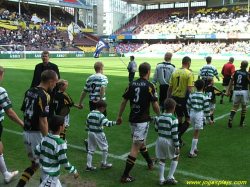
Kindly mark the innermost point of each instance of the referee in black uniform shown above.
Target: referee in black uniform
(45, 65)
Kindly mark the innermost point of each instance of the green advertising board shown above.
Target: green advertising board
(55, 55)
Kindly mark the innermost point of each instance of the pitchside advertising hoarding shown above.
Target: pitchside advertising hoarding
(53, 54)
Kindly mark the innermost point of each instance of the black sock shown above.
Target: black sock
(243, 115)
(224, 91)
(27, 174)
(183, 129)
(145, 154)
(212, 117)
(130, 162)
(233, 112)
(231, 95)
(63, 134)
(179, 127)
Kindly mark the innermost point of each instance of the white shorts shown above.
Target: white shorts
(165, 148)
(139, 131)
(197, 118)
(49, 181)
(97, 139)
(31, 139)
(241, 96)
(212, 106)
(66, 120)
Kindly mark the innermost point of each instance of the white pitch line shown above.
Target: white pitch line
(143, 163)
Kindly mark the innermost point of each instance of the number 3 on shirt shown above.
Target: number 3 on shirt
(137, 92)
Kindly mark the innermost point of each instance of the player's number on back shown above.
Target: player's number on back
(209, 95)
(29, 107)
(206, 73)
(93, 86)
(164, 73)
(137, 92)
(178, 80)
(239, 79)
(56, 102)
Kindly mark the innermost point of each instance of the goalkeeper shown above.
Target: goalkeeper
(63, 102)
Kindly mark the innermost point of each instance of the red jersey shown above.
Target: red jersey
(228, 69)
(249, 70)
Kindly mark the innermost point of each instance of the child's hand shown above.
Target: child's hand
(210, 121)
(80, 107)
(76, 175)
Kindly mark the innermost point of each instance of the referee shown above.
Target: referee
(227, 70)
(162, 74)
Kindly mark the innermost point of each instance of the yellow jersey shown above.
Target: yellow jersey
(180, 80)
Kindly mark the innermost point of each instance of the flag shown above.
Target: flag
(35, 19)
(73, 29)
(77, 29)
(99, 47)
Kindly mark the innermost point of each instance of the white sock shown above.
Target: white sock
(104, 157)
(194, 145)
(172, 169)
(3, 168)
(89, 159)
(161, 170)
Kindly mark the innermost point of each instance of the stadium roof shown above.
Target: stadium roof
(146, 2)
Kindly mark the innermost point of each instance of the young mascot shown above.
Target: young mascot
(167, 143)
(52, 152)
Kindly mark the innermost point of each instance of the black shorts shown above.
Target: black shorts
(226, 80)
(163, 94)
(92, 106)
(181, 109)
(1, 130)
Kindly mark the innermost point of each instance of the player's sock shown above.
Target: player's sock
(3, 168)
(232, 92)
(212, 117)
(183, 129)
(179, 127)
(233, 112)
(161, 170)
(243, 115)
(89, 159)
(27, 174)
(63, 134)
(145, 154)
(162, 107)
(172, 169)
(194, 145)
(130, 162)
(224, 91)
(104, 157)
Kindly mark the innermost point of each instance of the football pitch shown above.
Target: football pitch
(222, 156)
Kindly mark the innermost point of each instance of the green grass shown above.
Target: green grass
(223, 152)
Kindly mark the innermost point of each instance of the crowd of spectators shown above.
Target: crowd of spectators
(201, 21)
(35, 36)
(238, 47)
